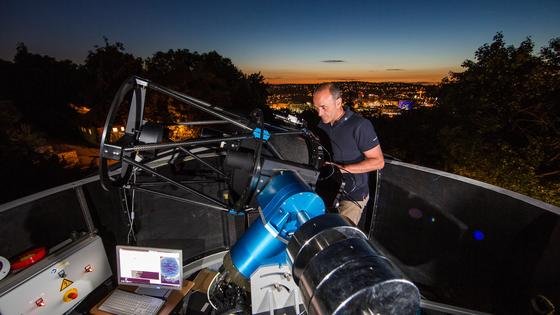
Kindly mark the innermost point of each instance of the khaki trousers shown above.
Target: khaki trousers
(352, 210)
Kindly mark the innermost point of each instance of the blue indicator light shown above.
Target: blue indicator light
(478, 235)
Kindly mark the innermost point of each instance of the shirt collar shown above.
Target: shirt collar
(347, 114)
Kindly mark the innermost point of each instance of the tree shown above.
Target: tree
(252, 93)
(106, 68)
(208, 77)
(42, 89)
(503, 122)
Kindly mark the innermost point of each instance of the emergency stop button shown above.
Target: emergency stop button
(70, 295)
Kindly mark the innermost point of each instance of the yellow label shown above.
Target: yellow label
(65, 284)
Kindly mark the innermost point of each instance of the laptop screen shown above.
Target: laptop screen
(150, 267)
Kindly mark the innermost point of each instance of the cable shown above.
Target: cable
(542, 305)
(342, 168)
(330, 159)
(327, 151)
(353, 179)
(332, 167)
(349, 198)
(343, 192)
(127, 214)
(208, 290)
(130, 212)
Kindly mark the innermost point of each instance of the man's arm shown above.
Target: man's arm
(373, 160)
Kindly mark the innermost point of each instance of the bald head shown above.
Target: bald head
(333, 89)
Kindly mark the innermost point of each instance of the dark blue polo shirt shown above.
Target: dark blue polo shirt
(350, 136)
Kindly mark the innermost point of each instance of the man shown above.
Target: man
(355, 148)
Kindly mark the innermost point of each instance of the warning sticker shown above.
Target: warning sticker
(65, 284)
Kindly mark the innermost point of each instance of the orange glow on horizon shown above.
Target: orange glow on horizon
(410, 76)
(335, 79)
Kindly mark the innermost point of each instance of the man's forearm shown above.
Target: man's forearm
(364, 166)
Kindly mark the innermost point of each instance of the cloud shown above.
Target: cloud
(333, 61)
(394, 69)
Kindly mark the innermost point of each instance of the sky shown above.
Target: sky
(286, 41)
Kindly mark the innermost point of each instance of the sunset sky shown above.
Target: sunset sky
(287, 41)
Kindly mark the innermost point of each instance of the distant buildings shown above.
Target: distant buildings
(371, 99)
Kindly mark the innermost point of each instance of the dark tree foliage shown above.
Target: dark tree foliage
(497, 121)
(253, 92)
(42, 88)
(505, 117)
(208, 77)
(106, 68)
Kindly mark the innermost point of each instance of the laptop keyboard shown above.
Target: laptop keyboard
(126, 303)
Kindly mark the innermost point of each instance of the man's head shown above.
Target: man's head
(328, 102)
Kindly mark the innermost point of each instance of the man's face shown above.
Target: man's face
(328, 108)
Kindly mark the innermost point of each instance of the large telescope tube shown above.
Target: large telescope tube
(339, 271)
